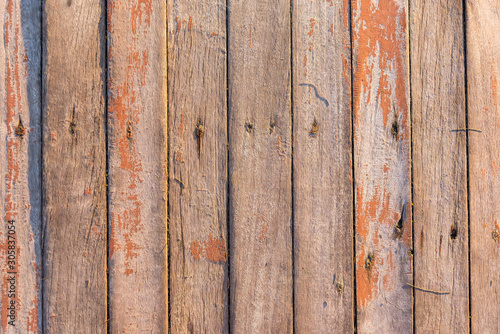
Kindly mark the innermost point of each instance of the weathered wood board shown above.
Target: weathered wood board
(483, 73)
(382, 172)
(260, 147)
(20, 167)
(439, 167)
(323, 204)
(198, 166)
(74, 167)
(137, 151)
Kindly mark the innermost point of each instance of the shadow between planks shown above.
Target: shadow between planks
(249, 166)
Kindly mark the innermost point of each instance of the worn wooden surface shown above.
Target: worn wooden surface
(260, 150)
(323, 213)
(439, 167)
(74, 167)
(20, 192)
(382, 167)
(137, 146)
(320, 157)
(198, 166)
(483, 73)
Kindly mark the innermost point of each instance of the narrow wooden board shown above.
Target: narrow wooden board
(323, 202)
(137, 146)
(439, 167)
(260, 151)
(382, 167)
(198, 166)
(20, 167)
(483, 74)
(74, 167)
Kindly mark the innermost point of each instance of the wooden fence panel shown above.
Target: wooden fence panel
(382, 173)
(198, 166)
(137, 151)
(260, 150)
(74, 167)
(20, 167)
(323, 203)
(483, 73)
(439, 167)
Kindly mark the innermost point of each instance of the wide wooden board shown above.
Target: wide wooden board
(439, 167)
(260, 149)
(137, 151)
(74, 167)
(322, 170)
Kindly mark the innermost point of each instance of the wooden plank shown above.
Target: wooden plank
(198, 166)
(439, 167)
(323, 203)
(260, 167)
(137, 144)
(483, 73)
(382, 167)
(74, 167)
(20, 167)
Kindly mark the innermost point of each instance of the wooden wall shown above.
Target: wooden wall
(288, 166)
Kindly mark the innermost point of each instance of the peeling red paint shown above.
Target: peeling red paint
(213, 249)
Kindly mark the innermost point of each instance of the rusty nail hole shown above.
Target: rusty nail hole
(398, 229)
(129, 130)
(395, 129)
(272, 125)
(20, 129)
(369, 262)
(340, 287)
(453, 232)
(314, 129)
(248, 127)
(495, 235)
(325, 304)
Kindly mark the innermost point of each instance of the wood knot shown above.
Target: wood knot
(272, 125)
(199, 133)
(495, 235)
(248, 127)
(129, 130)
(369, 261)
(20, 130)
(72, 127)
(453, 232)
(395, 128)
(314, 129)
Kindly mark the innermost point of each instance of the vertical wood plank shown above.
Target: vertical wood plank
(439, 167)
(260, 167)
(198, 166)
(137, 145)
(20, 166)
(382, 167)
(74, 167)
(483, 73)
(323, 213)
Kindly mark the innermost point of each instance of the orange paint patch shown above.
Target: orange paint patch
(494, 88)
(87, 191)
(213, 249)
(190, 23)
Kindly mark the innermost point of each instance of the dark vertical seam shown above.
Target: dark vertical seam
(167, 157)
(411, 167)
(106, 120)
(466, 108)
(228, 207)
(42, 193)
(354, 281)
(292, 207)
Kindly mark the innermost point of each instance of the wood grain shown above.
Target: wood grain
(323, 213)
(74, 167)
(198, 166)
(20, 167)
(137, 146)
(483, 73)
(260, 167)
(382, 167)
(439, 167)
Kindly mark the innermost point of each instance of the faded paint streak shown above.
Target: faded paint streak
(213, 249)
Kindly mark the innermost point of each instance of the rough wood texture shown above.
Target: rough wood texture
(198, 166)
(74, 167)
(137, 145)
(260, 167)
(323, 213)
(382, 167)
(483, 74)
(20, 167)
(439, 167)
